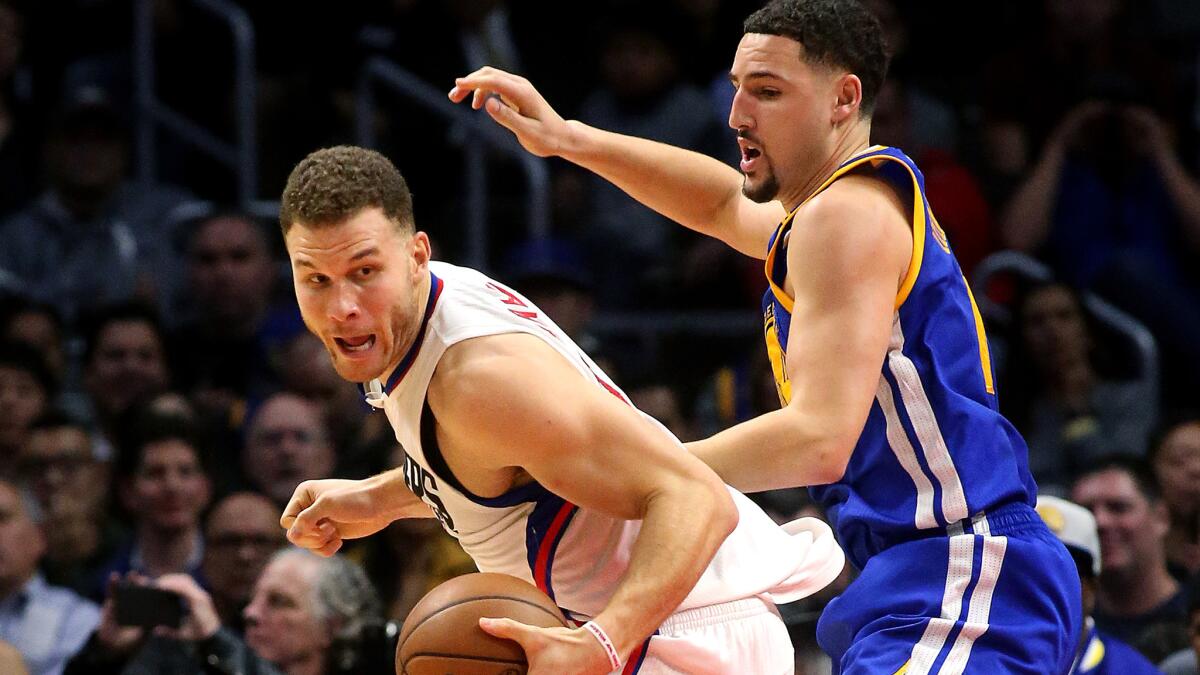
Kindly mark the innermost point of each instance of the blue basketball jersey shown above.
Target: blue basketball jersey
(935, 450)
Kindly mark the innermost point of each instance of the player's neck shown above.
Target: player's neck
(850, 143)
(410, 333)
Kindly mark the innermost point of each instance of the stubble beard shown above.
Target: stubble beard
(764, 192)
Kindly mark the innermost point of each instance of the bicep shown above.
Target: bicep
(570, 434)
(845, 277)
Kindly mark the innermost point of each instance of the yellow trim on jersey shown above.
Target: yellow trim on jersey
(914, 265)
(1093, 656)
(903, 668)
(985, 355)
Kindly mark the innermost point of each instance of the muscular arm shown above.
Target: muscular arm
(848, 254)
(690, 188)
(512, 401)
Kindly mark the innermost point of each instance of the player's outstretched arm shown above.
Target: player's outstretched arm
(849, 252)
(692, 189)
(518, 403)
(323, 513)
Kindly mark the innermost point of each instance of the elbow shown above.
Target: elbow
(725, 517)
(834, 459)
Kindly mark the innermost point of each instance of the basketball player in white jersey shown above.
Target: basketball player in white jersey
(528, 453)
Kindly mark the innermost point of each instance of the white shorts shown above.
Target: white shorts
(744, 636)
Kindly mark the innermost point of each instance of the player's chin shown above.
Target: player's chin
(759, 189)
(355, 370)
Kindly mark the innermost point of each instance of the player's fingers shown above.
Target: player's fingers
(329, 548)
(304, 497)
(524, 635)
(506, 116)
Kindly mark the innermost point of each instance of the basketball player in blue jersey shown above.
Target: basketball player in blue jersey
(889, 405)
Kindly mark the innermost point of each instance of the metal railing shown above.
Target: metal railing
(1139, 337)
(241, 155)
(475, 134)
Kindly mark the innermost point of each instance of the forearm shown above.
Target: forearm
(775, 451)
(390, 495)
(1185, 195)
(692, 189)
(1026, 219)
(680, 534)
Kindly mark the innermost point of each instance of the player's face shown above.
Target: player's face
(782, 114)
(358, 285)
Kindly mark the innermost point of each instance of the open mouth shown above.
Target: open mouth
(355, 345)
(749, 155)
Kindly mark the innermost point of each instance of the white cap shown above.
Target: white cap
(1072, 524)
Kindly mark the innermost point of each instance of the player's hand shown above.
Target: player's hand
(553, 651)
(516, 105)
(324, 513)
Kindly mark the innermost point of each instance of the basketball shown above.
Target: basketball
(441, 635)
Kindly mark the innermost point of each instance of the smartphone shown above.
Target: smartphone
(147, 606)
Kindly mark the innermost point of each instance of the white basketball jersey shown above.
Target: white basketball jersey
(575, 555)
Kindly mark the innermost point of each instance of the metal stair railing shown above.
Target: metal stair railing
(466, 130)
(240, 155)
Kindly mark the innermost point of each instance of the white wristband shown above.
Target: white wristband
(597, 632)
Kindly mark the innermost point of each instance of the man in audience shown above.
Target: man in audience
(241, 533)
(1099, 654)
(287, 442)
(1137, 599)
(45, 623)
(58, 466)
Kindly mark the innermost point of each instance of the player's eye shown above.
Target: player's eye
(317, 279)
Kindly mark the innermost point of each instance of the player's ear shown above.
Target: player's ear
(421, 250)
(848, 101)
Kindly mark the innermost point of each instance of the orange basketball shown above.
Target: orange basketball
(441, 635)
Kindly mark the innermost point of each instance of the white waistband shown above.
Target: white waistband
(709, 615)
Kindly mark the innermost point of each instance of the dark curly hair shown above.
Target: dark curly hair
(331, 185)
(837, 33)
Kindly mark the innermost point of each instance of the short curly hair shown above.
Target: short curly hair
(331, 185)
(839, 33)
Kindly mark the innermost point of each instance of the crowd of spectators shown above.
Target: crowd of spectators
(160, 398)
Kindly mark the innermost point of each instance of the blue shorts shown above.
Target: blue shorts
(1001, 597)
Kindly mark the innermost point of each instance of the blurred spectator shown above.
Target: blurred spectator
(660, 401)
(59, 468)
(735, 393)
(164, 488)
(1058, 396)
(642, 94)
(241, 533)
(1112, 209)
(1186, 661)
(308, 616)
(1099, 654)
(40, 326)
(221, 353)
(363, 442)
(26, 388)
(123, 362)
(287, 442)
(1137, 600)
(314, 615)
(954, 193)
(1175, 458)
(17, 147)
(1077, 47)
(91, 238)
(554, 274)
(45, 623)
